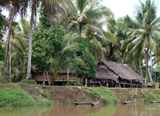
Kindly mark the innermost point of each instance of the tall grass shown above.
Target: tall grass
(16, 97)
(149, 96)
(107, 95)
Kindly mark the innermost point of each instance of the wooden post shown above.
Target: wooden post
(85, 82)
(100, 83)
(138, 84)
(119, 83)
(44, 78)
(131, 84)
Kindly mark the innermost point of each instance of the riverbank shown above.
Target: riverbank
(60, 95)
(14, 95)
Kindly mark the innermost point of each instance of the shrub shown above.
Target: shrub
(46, 95)
(16, 97)
(107, 95)
(71, 83)
(148, 96)
(28, 81)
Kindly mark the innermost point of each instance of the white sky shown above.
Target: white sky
(119, 7)
(122, 7)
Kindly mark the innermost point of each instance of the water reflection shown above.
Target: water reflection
(108, 110)
(24, 111)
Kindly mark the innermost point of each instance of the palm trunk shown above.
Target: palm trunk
(131, 62)
(10, 64)
(151, 80)
(140, 68)
(30, 44)
(7, 44)
(146, 60)
(80, 30)
(67, 25)
(50, 18)
(44, 76)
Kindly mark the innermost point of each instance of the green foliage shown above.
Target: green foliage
(28, 81)
(85, 54)
(44, 21)
(149, 96)
(44, 42)
(107, 95)
(2, 52)
(71, 83)
(16, 97)
(83, 44)
(43, 45)
(46, 95)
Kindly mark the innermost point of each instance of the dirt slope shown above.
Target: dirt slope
(68, 95)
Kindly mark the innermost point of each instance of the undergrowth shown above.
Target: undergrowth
(149, 96)
(107, 95)
(28, 81)
(16, 97)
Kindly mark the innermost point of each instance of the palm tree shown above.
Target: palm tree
(57, 10)
(88, 20)
(145, 39)
(17, 50)
(15, 6)
(34, 5)
(60, 55)
(90, 14)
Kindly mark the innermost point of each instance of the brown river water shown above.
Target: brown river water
(71, 110)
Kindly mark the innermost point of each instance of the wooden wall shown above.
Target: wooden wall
(59, 77)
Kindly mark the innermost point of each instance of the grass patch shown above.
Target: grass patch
(149, 96)
(107, 95)
(28, 81)
(16, 97)
(46, 95)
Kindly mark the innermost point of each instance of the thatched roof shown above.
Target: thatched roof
(113, 70)
(104, 73)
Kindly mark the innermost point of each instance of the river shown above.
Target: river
(71, 110)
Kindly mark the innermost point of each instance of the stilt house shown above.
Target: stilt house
(122, 73)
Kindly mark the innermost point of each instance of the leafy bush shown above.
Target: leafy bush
(28, 81)
(107, 95)
(16, 97)
(46, 95)
(148, 96)
(71, 83)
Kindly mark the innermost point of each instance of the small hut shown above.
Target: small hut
(60, 79)
(124, 75)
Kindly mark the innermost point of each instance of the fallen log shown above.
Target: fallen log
(155, 101)
(128, 102)
(82, 103)
(87, 103)
(94, 103)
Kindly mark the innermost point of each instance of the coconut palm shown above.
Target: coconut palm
(17, 50)
(146, 37)
(34, 7)
(89, 13)
(60, 57)
(15, 7)
(57, 10)
(88, 20)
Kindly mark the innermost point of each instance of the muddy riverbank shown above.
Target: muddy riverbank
(69, 94)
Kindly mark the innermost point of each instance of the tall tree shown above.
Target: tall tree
(89, 14)
(1, 35)
(146, 37)
(14, 6)
(34, 7)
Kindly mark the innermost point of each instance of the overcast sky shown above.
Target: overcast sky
(120, 7)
